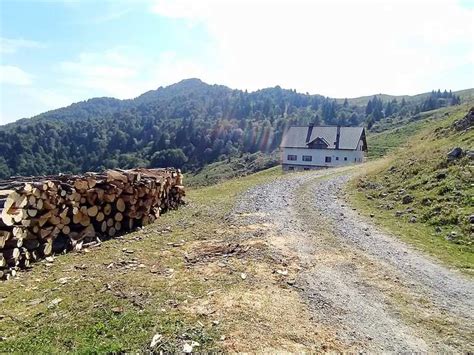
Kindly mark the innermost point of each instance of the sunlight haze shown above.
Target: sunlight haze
(54, 53)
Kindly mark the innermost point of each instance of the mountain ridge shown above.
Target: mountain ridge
(186, 125)
(196, 83)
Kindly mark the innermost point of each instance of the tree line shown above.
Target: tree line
(186, 125)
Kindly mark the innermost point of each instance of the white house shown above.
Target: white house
(315, 147)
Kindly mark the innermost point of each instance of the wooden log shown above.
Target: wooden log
(56, 210)
(45, 232)
(19, 232)
(64, 213)
(129, 223)
(111, 232)
(107, 209)
(81, 185)
(46, 248)
(66, 230)
(89, 231)
(100, 216)
(75, 196)
(110, 222)
(110, 197)
(85, 220)
(34, 255)
(32, 212)
(120, 205)
(130, 199)
(93, 211)
(113, 176)
(54, 220)
(76, 218)
(103, 226)
(32, 201)
(91, 196)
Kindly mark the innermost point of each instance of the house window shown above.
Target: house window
(345, 158)
(292, 157)
(307, 158)
(355, 159)
(337, 158)
(291, 168)
(328, 159)
(306, 168)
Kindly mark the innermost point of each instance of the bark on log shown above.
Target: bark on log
(59, 212)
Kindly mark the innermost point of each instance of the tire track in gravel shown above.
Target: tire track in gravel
(373, 291)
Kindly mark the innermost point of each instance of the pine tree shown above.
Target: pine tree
(369, 108)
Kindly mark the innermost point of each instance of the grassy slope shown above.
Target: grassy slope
(389, 134)
(439, 203)
(466, 94)
(107, 307)
(235, 167)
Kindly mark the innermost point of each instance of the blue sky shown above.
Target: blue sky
(53, 53)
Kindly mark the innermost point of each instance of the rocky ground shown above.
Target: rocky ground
(369, 290)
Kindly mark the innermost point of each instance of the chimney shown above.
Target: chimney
(338, 136)
(310, 131)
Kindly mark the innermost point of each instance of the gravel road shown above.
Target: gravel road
(373, 291)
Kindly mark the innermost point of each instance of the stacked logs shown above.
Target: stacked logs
(53, 214)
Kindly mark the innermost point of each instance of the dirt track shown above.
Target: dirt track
(370, 290)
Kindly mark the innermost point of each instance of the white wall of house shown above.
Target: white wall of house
(318, 156)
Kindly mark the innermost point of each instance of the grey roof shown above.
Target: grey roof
(296, 136)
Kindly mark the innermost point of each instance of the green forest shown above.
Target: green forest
(185, 125)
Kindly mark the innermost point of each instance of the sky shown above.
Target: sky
(56, 52)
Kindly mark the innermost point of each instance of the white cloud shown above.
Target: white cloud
(12, 75)
(11, 45)
(170, 68)
(122, 74)
(27, 101)
(107, 73)
(336, 48)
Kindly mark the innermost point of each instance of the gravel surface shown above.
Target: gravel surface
(373, 291)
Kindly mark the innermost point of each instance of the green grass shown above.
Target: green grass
(231, 168)
(392, 133)
(442, 203)
(466, 94)
(105, 308)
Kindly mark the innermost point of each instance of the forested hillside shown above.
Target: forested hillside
(186, 125)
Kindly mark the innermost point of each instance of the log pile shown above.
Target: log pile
(54, 214)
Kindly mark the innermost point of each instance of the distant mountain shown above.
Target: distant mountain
(188, 124)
